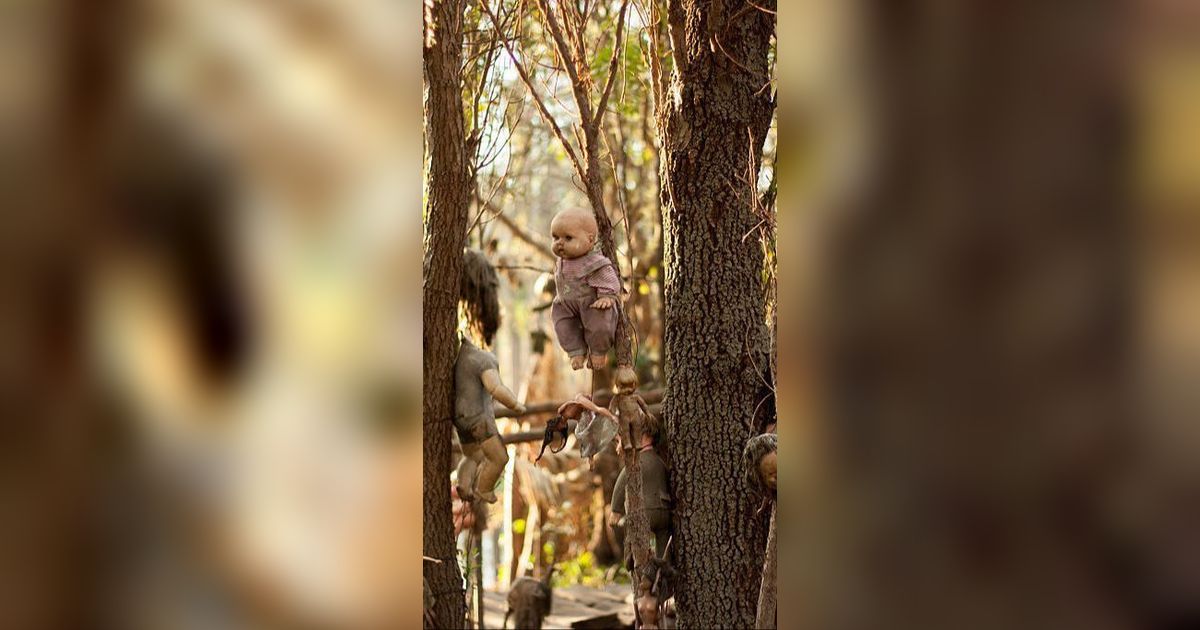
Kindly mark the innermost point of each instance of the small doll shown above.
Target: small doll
(656, 495)
(595, 426)
(529, 602)
(585, 309)
(761, 467)
(476, 382)
(761, 464)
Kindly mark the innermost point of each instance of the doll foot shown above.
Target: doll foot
(578, 362)
(489, 497)
(599, 361)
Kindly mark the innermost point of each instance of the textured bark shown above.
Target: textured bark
(768, 594)
(976, 328)
(716, 342)
(448, 197)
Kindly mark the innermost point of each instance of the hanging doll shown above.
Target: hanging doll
(476, 383)
(656, 496)
(585, 309)
(595, 426)
(761, 466)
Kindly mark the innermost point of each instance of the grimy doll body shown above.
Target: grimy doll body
(585, 307)
(476, 384)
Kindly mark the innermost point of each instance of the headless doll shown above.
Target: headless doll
(476, 383)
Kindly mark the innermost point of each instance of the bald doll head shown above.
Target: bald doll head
(574, 231)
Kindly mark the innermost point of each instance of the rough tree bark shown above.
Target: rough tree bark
(768, 594)
(447, 202)
(716, 340)
(976, 330)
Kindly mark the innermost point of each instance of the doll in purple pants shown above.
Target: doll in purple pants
(584, 311)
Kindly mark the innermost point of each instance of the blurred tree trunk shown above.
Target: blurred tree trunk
(58, 436)
(716, 340)
(977, 329)
(447, 199)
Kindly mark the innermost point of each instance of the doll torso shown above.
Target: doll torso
(571, 274)
(655, 494)
(472, 402)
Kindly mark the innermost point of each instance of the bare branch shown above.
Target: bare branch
(536, 98)
(601, 398)
(516, 230)
(617, 54)
(572, 64)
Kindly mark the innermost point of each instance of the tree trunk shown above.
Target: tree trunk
(768, 594)
(716, 342)
(977, 393)
(448, 197)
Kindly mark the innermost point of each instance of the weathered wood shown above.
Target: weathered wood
(611, 620)
(570, 605)
(535, 435)
(602, 398)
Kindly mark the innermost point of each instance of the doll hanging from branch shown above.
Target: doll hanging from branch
(477, 383)
(588, 290)
(761, 467)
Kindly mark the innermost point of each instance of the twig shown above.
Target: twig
(578, 86)
(601, 398)
(537, 99)
(524, 268)
(617, 54)
(514, 228)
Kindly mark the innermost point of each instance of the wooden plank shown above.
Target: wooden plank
(572, 605)
(611, 620)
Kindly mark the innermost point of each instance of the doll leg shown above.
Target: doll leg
(495, 457)
(599, 328)
(569, 329)
(467, 469)
(659, 521)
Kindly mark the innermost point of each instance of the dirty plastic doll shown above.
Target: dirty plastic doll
(595, 426)
(585, 309)
(476, 383)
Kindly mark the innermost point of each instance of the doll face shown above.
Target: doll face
(767, 469)
(574, 233)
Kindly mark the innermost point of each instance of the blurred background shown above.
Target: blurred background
(990, 308)
(211, 305)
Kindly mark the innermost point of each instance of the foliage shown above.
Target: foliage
(583, 570)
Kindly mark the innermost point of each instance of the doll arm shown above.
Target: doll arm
(492, 383)
(587, 403)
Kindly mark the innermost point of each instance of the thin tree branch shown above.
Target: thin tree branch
(601, 398)
(537, 99)
(617, 54)
(572, 65)
(516, 230)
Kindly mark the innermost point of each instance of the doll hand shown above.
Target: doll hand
(520, 408)
(604, 302)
